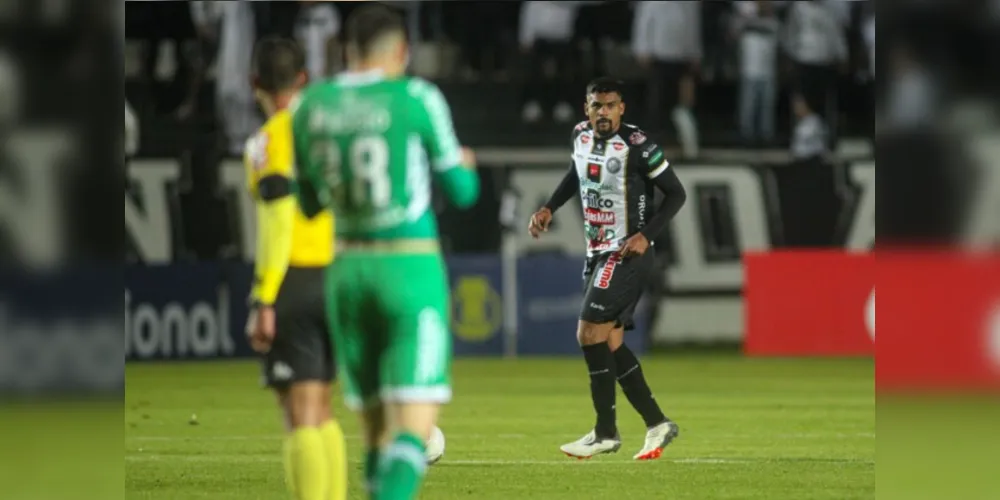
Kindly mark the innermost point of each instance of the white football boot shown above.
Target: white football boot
(590, 445)
(657, 438)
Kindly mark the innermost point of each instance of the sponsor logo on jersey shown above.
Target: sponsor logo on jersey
(584, 139)
(614, 165)
(642, 211)
(637, 138)
(619, 146)
(594, 172)
(607, 271)
(257, 150)
(594, 201)
(601, 237)
(595, 216)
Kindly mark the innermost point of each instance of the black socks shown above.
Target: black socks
(601, 363)
(629, 375)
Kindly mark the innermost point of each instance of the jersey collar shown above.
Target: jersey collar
(361, 77)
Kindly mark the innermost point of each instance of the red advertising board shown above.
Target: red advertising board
(809, 303)
(940, 313)
(940, 322)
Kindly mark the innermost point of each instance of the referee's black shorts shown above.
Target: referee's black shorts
(302, 350)
(613, 285)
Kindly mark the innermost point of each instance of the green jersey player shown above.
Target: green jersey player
(368, 144)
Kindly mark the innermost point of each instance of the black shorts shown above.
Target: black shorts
(613, 286)
(302, 350)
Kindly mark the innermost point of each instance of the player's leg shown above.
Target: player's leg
(309, 460)
(357, 342)
(299, 366)
(593, 333)
(375, 428)
(660, 431)
(593, 338)
(324, 368)
(415, 367)
(633, 381)
(404, 463)
(333, 434)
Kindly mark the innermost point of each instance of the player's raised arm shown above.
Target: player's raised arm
(461, 185)
(309, 191)
(658, 171)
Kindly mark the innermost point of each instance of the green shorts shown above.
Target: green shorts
(389, 318)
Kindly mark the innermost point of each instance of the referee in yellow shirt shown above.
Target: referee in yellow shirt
(287, 323)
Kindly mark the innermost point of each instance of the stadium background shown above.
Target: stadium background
(771, 257)
(189, 225)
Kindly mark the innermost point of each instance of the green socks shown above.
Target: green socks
(401, 469)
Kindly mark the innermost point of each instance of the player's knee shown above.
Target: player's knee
(616, 339)
(417, 419)
(308, 404)
(588, 333)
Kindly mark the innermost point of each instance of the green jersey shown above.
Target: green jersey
(367, 148)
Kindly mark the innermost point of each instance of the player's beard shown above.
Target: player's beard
(604, 126)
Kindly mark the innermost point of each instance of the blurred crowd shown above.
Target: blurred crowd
(671, 47)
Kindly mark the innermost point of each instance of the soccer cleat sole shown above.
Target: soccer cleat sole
(658, 451)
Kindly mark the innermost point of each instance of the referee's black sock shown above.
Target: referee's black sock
(601, 363)
(630, 376)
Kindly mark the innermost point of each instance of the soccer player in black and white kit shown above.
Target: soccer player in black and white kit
(615, 169)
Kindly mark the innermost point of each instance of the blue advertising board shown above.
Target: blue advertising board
(197, 311)
(476, 305)
(186, 311)
(550, 290)
(59, 332)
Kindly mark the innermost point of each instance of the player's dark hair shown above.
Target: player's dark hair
(369, 23)
(605, 85)
(277, 63)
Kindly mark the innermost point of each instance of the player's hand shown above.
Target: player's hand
(468, 158)
(260, 328)
(540, 221)
(636, 245)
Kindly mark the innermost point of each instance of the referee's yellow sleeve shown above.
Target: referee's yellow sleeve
(268, 162)
(274, 247)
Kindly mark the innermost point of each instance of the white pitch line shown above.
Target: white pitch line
(711, 436)
(229, 458)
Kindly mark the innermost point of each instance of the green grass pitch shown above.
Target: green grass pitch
(750, 429)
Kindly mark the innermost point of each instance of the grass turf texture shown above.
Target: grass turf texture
(750, 429)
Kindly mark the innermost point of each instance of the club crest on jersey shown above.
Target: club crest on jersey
(637, 138)
(619, 146)
(603, 280)
(614, 165)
